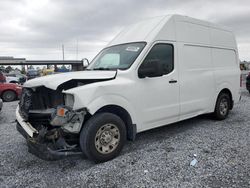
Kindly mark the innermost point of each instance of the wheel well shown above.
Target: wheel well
(227, 91)
(124, 115)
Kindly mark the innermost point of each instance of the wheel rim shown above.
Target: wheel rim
(223, 106)
(8, 96)
(107, 138)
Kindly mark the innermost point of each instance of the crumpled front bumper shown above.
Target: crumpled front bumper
(28, 130)
(41, 150)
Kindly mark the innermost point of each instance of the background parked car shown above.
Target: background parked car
(9, 91)
(21, 78)
(32, 73)
(47, 72)
(2, 78)
(248, 82)
(11, 79)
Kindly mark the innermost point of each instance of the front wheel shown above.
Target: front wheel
(222, 106)
(102, 137)
(9, 96)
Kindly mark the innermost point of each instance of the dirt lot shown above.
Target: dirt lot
(157, 158)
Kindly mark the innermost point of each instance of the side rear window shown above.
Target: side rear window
(163, 53)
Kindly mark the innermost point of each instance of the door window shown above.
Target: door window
(163, 53)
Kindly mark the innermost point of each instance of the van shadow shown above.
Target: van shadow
(157, 135)
(165, 133)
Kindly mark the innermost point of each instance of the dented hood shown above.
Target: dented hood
(53, 81)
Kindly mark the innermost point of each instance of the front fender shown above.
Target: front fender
(97, 95)
(117, 100)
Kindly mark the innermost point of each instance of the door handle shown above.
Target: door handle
(172, 81)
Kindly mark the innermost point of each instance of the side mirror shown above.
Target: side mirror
(85, 62)
(152, 68)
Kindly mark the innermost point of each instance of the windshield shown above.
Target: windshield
(117, 57)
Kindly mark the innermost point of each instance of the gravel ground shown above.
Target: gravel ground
(158, 158)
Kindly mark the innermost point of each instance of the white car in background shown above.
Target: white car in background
(12, 79)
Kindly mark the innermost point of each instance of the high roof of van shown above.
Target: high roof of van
(176, 28)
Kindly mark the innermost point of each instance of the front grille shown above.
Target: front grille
(25, 103)
(40, 99)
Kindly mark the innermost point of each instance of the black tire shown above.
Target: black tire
(89, 138)
(222, 107)
(9, 96)
(14, 82)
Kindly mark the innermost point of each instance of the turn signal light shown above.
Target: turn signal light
(61, 112)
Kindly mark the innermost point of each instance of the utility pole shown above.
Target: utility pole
(76, 49)
(63, 51)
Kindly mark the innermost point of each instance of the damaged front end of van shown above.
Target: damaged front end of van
(46, 115)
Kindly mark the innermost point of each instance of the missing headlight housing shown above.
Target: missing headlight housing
(69, 100)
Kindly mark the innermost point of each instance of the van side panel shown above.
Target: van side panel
(197, 88)
(208, 62)
(192, 33)
(222, 38)
(226, 71)
(226, 62)
(196, 77)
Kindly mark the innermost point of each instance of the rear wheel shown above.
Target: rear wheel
(102, 137)
(222, 106)
(9, 96)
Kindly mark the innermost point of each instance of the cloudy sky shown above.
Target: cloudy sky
(36, 29)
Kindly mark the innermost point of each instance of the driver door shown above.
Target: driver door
(158, 99)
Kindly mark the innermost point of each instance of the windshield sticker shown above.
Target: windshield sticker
(132, 48)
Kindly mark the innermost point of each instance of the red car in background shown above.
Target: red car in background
(2, 78)
(10, 92)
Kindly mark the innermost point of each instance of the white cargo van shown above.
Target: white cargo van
(155, 72)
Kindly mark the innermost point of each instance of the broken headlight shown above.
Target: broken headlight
(69, 120)
(69, 100)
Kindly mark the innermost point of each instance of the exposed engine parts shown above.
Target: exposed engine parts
(58, 125)
(69, 120)
(45, 107)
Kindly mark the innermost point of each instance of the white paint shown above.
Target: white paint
(12, 79)
(53, 81)
(205, 62)
(25, 125)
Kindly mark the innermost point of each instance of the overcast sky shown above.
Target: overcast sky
(36, 29)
